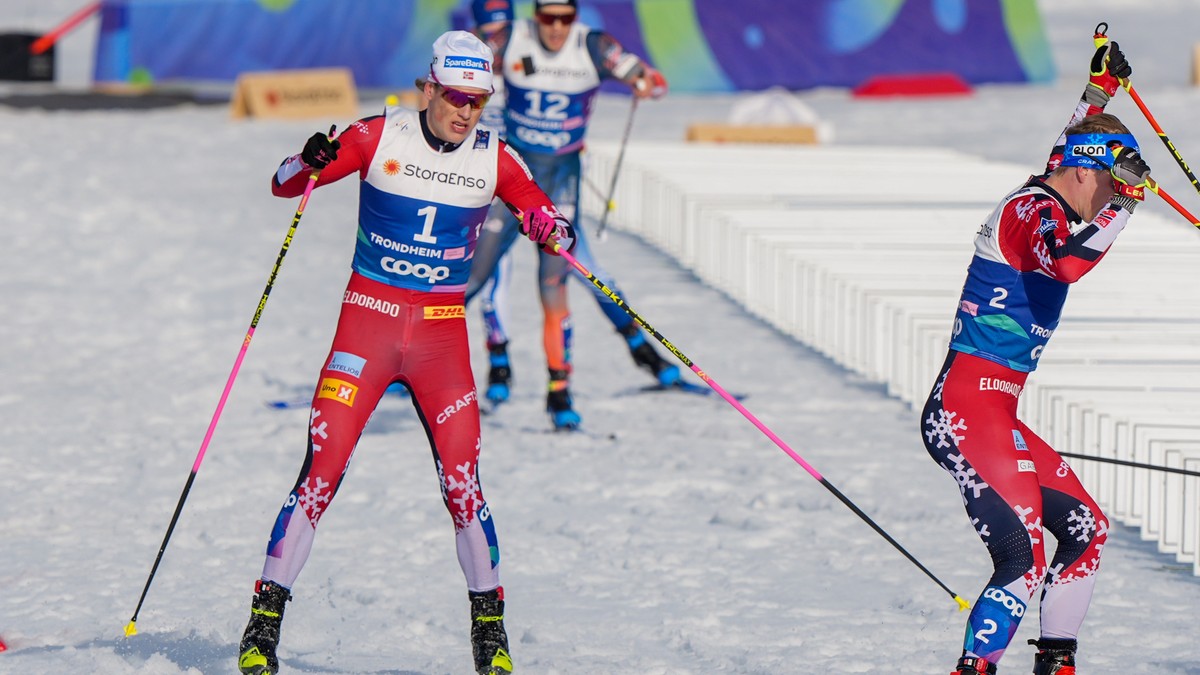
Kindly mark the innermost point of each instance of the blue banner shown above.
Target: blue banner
(700, 45)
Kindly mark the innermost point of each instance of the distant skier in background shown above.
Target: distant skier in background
(426, 182)
(552, 67)
(1042, 237)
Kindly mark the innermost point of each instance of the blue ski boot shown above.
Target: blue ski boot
(257, 650)
(489, 642)
(499, 373)
(645, 356)
(558, 402)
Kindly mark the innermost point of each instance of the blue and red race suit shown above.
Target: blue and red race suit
(1016, 488)
(421, 204)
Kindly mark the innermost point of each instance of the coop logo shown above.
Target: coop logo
(549, 139)
(344, 362)
(339, 390)
(447, 312)
(405, 268)
(998, 595)
(467, 62)
(458, 405)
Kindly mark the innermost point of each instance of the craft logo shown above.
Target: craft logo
(466, 62)
(446, 312)
(458, 405)
(338, 390)
(344, 362)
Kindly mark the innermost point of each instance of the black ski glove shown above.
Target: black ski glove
(319, 151)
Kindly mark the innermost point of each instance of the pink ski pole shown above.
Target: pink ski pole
(131, 627)
(962, 604)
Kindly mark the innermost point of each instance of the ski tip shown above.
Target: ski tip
(963, 605)
(131, 628)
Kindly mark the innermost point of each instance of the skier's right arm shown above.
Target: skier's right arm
(350, 152)
(1108, 67)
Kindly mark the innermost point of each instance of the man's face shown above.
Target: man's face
(1102, 188)
(553, 24)
(448, 122)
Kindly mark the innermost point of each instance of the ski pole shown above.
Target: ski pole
(1136, 465)
(47, 41)
(131, 628)
(609, 204)
(1099, 38)
(962, 604)
(1154, 187)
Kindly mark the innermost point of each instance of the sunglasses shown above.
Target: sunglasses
(458, 98)
(551, 19)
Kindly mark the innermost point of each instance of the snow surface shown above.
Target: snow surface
(672, 538)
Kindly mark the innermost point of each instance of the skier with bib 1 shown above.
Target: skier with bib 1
(426, 182)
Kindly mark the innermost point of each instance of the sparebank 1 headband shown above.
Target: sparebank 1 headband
(1094, 151)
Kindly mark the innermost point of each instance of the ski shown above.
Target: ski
(288, 403)
(684, 387)
(571, 431)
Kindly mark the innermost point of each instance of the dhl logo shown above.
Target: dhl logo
(446, 312)
(338, 390)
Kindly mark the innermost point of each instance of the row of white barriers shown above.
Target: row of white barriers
(861, 252)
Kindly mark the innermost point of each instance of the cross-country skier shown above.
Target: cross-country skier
(1042, 237)
(553, 66)
(426, 182)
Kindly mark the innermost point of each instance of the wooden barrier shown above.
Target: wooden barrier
(295, 94)
(869, 273)
(728, 133)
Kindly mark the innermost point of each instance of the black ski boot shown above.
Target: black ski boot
(1054, 657)
(973, 665)
(499, 373)
(257, 651)
(646, 357)
(489, 642)
(559, 404)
